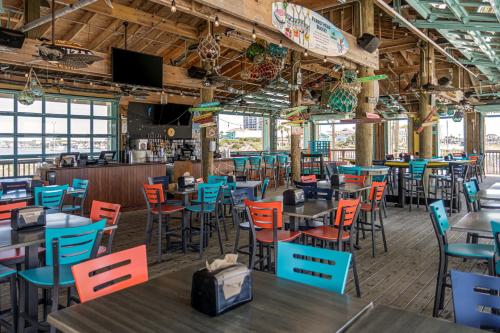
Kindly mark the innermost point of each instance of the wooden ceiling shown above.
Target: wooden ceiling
(154, 29)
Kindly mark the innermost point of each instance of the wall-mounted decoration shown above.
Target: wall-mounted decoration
(309, 29)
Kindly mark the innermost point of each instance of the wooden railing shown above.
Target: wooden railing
(343, 154)
(492, 162)
(24, 168)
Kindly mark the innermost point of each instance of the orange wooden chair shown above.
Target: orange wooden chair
(155, 201)
(268, 216)
(371, 207)
(355, 179)
(341, 233)
(6, 210)
(111, 212)
(110, 273)
(308, 179)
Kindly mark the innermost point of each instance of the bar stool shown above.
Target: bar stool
(255, 167)
(240, 165)
(270, 164)
(284, 168)
(77, 198)
(415, 182)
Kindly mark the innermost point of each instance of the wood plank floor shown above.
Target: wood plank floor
(404, 277)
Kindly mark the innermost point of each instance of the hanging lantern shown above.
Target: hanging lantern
(34, 85)
(266, 71)
(26, 97)
(441, 108)
(458, 116)
(345, 96)
(276, 51)
(255, 52)
(209, 49)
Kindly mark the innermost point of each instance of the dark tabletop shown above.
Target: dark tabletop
(489, 194)
(163, 305)
(10, 239)
(346, 188)
(384, 319)
(477, 222)
(16, 195)
(310, 209)
(194, 189)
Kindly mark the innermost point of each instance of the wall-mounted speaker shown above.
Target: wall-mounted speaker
(368, 42)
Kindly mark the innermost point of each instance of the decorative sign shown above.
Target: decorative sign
(212, 132)
(372, 78)
(171, 132)
(309, 29)
(205, 119)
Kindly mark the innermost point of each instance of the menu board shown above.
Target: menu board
(309, 29)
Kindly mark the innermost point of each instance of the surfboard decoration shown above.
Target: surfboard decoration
(309, 29)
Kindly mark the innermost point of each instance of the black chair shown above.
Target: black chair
(240, 219)
(14, 186)
(164, 181)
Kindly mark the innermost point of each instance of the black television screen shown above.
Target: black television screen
(169, 114)
(136, 68)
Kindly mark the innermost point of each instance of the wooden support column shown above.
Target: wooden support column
(366, 103)
(32, 12)
(296, 133)
(472, 132)
(427, 74)
(207, 157)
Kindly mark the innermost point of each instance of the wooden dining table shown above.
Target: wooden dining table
(163, 305)
(477, 222)
(489, 194)
(31, 240)
(24, 195)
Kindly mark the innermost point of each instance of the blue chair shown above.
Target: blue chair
(473, 205)
(50, 197)
(263, 188)
(472, 293)
(78, 198)
(217, 179)
(65, 247)
(298, 262)
(495, 229)
(284, 168)
(349, 170)
(240, 165)
(481, 252)
(271, 164)
(209, 198)
(255, 163)
(226, 197)
(415, 182)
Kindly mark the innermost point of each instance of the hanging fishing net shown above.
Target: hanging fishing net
(458, 116)
(276, 51)
(208, 49)
(255, 52)
(345, 96)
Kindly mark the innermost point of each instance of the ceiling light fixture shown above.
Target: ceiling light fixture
(173, 8)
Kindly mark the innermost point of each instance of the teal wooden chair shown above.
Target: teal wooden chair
(9, 275)
(299, 262)
(271, 166)
(240, 165)
(349, 170)
(255, 171)
(78, 199)
(50, 197)
(226, 197)
(415, 182)
(65, 247)
(480, 252)
(495, 229)
(217, 179)
(263, 188)
(209, 198)
(284, 168)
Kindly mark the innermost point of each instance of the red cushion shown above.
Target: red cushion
(15, 254)
(266, 235)
(327, 233)
(168, 209)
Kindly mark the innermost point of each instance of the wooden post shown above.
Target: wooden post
(207, 157)
(427, 75)
(295, 100)
(366, 102)
(32, 12)
(472, 132)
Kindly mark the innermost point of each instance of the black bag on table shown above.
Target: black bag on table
(28, 217)
(221, 290)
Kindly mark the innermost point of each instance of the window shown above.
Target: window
(325, 133)
(451, 136)
(341, 137)
(240, 133)
(397, 136)
(345, 136)
(283, 135)
(30, 134)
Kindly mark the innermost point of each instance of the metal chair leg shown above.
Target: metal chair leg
(383, 231)
(159, 236)
(219, 236)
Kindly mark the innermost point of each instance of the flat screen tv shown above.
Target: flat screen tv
(134, 68)
(169, 114)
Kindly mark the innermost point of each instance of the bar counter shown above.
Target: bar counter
(116, 183)
(222, 166)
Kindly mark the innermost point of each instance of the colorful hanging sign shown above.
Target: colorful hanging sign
(372, 78)
(206, 109)
(309, 29)
(204, 119)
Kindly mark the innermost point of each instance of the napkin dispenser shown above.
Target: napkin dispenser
(186, 181)
(217, 291)
(27, 218)
(293, 197)
(337, 180)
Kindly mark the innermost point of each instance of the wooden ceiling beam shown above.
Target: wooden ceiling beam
(85, 19)
(410, 69)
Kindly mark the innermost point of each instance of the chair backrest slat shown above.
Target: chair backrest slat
(262, 213)
(50, 196)
(495, 229)
(104, 210)
(350, 208)
(349, 170)
(417, 168)
(354, 179)
(240, 164)
(209, 192)
(6, 210)
(80, 184)
(154, 194)
(474, 298)
(75, 244)
(377, 191)
(302, 264)
(113, 272)
(212, 179)
(308, 179)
